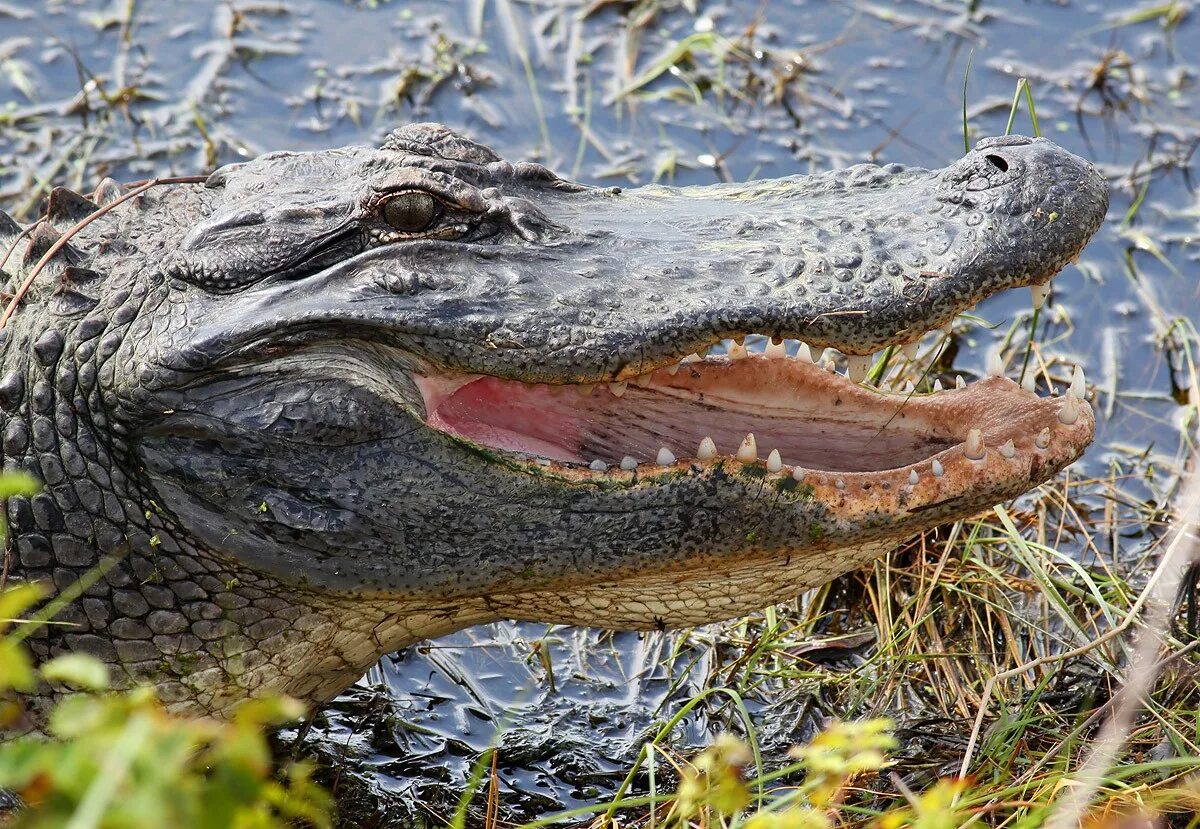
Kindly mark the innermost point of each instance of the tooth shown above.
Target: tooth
(1078, 384)
(774, 462)
(1030, 382)
(937, 385)
(909, 388)
(643, 380)
(1043, 439)
(857, 366)
(936, 468)
(910, 349)
(694, 357)
(797, 474)
(775, 350)
(995, 364)
(628, 464)
(618, 389)
(665, 457)
(1040, 292)
(707, 450)
(914, 478)
(740, 341)
(839, 484)
(959, 382)
(1069, 413)
(974, 448)
(583, 389)
(948, 327)
(804, 353)
(598, 466)
(737, 351)
(1008, 449)
(748, 451)
(829, 365)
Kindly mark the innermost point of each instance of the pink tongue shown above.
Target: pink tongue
(531, 421)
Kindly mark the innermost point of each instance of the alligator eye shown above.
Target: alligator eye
(411, 212)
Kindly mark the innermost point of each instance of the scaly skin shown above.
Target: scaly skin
(268, 398)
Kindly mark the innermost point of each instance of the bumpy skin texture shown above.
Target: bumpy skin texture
(213, 381)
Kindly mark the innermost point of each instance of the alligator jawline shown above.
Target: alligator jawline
(803, 419)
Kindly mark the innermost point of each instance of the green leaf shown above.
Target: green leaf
(18, 483)
(16, 600)
(79, 670)
(16, 671)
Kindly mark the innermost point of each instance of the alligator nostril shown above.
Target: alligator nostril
(997, 161)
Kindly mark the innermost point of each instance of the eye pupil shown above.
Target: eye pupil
(410, 212)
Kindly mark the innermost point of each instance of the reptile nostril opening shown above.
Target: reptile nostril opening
(997, 161)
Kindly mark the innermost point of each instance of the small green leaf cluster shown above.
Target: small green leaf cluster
(120, 760)
(713, 791)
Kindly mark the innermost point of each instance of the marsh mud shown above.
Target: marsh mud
(684, 92)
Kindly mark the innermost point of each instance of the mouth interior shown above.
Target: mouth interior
(814, 418)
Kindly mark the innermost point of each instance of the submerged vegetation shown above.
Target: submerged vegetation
(965, 679)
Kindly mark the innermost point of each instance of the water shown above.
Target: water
(175, 87)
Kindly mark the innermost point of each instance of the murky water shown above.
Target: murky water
(131, 89)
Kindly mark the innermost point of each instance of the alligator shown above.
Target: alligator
(319, 406)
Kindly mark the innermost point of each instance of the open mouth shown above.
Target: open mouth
(778, 409)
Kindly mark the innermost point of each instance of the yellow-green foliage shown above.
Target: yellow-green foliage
(713, 791)
(120, 761)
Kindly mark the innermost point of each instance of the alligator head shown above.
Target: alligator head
(330, 403)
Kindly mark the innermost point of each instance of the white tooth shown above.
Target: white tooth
(995, 364)
(618, 389)
(804, 353)
(974, 448)
(694, 357)
(1040, 292)
(909, 388)
(948, 327)
(740, 340)
(937, 469)
(737, 351)
(829, 365)
(1008, 449)
(1043, 439)
(937, 385)
(673, 370)
(797, 474)
(839, 484)
(1030, 382)
(910, 349)
(583, 389)
(707, 450)
(857, 366)
(774, 462)
(643, 380)
(959, 382)
(628, 464)
(775, 350)
(748, 451)
(665, 457)
(598, 466)
(1078, 384)
(1069, 413)
(914, 478)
